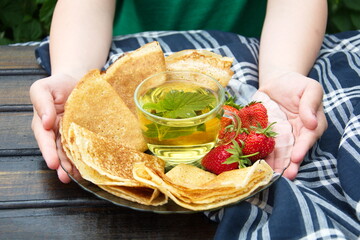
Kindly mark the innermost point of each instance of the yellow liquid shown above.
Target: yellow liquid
(184, 141)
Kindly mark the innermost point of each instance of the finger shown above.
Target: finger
(322, 122)
(310, 102)
(292, 171)
(63, 176)
(43, 102)
(270, 159)
(46, 142)
(303, 143)
(76, 174)
(306, 138)
(64, 161)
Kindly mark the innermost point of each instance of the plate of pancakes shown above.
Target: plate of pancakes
(107, 155)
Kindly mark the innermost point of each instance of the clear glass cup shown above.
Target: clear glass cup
(180, 115)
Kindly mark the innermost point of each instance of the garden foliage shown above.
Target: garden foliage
(29, 20)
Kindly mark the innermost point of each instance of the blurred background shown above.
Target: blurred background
(29, 20)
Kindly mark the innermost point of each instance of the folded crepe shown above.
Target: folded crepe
(203, 61)
(103, 102)
(108, 165)
(127, 72)
(98, 112)
(95, 105)
(199, 190)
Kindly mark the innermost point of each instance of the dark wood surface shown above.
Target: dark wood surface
(34, 204)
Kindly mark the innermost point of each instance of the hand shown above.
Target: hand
(300, 98)
(48, 96)
(279, 159)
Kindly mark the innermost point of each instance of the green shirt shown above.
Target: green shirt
(244, 17)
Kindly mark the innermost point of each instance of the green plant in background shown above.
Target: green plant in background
(29, 20)
(24, 20)
(344, 15)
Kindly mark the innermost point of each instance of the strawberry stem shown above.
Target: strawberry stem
(237, 156)
(266, 131)
(231, 101)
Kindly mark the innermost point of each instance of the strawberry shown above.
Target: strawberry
(230, 104)
(231, 101)
(224, 158)
(241, 137)
(253, 114)
(260, 142)
(226, 132)
(231, 109)
(227, 129)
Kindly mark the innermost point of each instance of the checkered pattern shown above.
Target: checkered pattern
(323, 202)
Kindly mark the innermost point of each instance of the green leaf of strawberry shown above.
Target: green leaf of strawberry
(231, 101)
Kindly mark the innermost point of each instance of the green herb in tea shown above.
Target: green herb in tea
(177, 104)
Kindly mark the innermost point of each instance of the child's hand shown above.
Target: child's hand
(300, 98)
(48, 96)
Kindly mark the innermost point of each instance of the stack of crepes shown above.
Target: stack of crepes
(101, 136)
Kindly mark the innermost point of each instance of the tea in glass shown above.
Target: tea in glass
(180, 115)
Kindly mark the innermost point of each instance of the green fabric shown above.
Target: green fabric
(244, 17)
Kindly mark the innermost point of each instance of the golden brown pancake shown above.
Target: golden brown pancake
(127, 72)
(143, 195)
(95, 105)
(203, 61)
(103, 162)
(195, 189)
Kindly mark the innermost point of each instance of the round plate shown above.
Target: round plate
(168, 208)
(172, 207)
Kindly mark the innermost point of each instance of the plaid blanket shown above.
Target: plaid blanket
(323, 202)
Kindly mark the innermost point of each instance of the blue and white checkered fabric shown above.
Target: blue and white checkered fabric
(323, 202)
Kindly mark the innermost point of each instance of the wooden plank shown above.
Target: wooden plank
(101, 223)
(15, 89)
(18, 57)
(26, 181)
(27, 178)
(16, 133)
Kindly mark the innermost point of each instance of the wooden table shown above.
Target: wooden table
(34, 204)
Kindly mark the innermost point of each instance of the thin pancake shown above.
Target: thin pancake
(110, 166)
(106, 157)
(94, 105)
(127, 72)
(143, 195)
(205, 194)
(203, 61)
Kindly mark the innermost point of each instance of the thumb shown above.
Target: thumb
(310, 102)
(43, 102)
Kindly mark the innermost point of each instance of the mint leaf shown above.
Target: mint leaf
(157, 107)
(179, 104)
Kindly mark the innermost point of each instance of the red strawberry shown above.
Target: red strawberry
(260, 141)
(224, 158)
(253, 114)
(230, 105)
(226, 132)
(231, 101)
(241, 137)
(231, 109)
